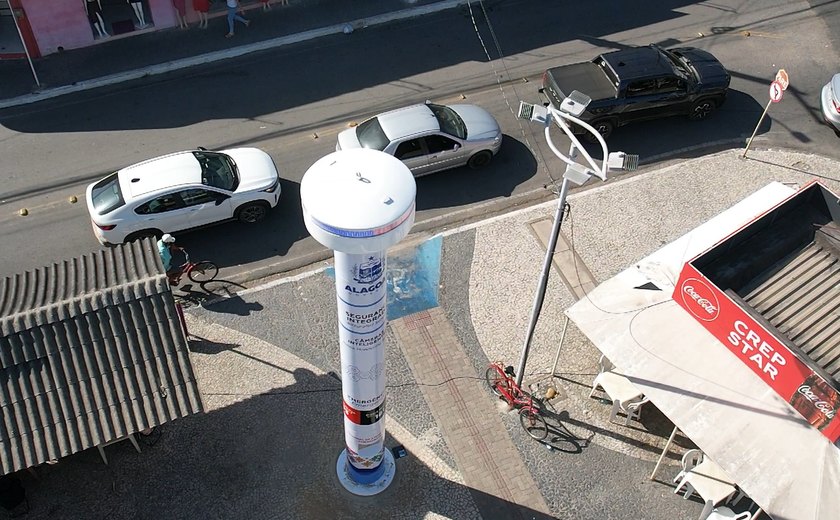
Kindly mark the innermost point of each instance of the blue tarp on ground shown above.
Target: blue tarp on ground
(413, 276)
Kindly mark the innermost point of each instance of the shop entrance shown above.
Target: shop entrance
(13, 36)
(10, 45)
(115, 17)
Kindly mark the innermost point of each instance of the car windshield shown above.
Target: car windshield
(106, 194)
(217, 170)
(370, 135)
(449, 121)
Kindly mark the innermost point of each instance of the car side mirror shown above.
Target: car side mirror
(221, 198)
(456, 147)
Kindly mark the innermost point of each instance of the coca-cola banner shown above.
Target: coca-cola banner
(769, 358)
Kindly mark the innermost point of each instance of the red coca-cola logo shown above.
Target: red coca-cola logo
(700, 299)
(824, 407)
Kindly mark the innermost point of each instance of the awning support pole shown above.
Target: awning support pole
(664, 452)
(559, 347)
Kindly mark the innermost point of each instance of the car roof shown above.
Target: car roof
(412, 120)
(160, 173)
(639, 62)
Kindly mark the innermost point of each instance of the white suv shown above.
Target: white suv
(183, 190)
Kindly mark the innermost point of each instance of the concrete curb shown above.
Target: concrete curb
(434, 225)
(235, 52)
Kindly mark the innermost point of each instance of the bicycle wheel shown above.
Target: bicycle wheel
(493, 379)
(203, 271)
(533, 423)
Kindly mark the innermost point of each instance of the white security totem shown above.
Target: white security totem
(359, 203)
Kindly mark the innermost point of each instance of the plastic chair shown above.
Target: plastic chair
(724, 513)
(621, 391)
(690, 460)
(631, 410)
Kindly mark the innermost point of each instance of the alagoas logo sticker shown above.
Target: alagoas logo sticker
(700, 299)
(369, 271)
(367, 277)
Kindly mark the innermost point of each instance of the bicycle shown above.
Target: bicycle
(199, 272)
(500, 380)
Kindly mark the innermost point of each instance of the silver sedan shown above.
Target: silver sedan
(830, 102)
(429, 138)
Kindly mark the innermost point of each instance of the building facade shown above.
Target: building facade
(49, 26)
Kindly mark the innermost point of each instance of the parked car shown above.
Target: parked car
(181, 191)
(641, 83)
(429, 138)
(830, 103)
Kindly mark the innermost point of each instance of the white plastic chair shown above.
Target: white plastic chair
(624, 395)
(724, 513)
(690, 460)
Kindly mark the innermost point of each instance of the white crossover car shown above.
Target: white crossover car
(181, 191)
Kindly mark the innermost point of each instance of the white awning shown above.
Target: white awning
(789, 468)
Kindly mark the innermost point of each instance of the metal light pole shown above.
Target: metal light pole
(578, 174)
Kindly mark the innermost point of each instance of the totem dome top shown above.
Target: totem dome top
(358, 201)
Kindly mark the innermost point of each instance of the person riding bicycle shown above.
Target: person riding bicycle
(166, 245)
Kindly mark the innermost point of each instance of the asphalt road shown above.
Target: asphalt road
(293, 101)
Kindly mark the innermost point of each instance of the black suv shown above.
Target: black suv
(641, 83)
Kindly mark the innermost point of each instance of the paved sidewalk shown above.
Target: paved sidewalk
(117, 60)
(488, 459)
(267, 362)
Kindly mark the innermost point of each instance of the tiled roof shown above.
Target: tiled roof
(91, 349)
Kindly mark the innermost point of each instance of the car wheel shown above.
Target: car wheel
(480, 159)
(252, 213)
(604, 127)
(701, 109)
(146, 233)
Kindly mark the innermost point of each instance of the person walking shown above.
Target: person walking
(232, 14)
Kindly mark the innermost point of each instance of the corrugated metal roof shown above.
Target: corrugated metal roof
(91, 350)
(802, 300)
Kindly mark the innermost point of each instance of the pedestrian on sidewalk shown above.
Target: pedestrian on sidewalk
(181, 13)
(266, 5)
(232, 14)
(202, 7)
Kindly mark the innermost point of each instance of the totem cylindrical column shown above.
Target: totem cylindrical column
(359, 203)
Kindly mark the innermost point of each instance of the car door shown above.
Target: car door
(444, 152)
(412, 152)
(673, 96)
(165, 212)
(640, 100)
(205, 206)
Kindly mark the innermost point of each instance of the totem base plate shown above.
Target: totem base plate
(366, 489)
